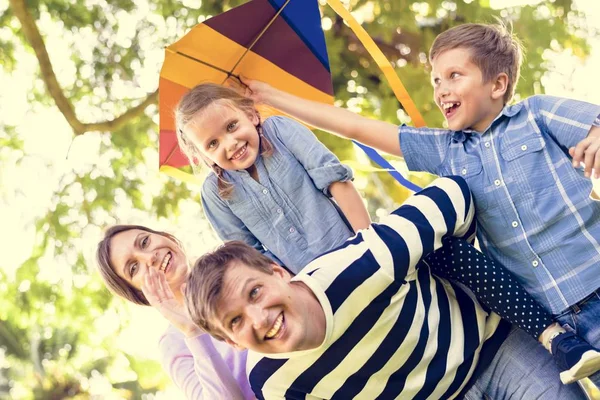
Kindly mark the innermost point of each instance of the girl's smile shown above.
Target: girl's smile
(226, 135)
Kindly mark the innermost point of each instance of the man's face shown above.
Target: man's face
(466, 101)
(267, 313)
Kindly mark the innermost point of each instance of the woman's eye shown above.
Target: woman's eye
(231, 126)
(145, 242)
(133, 269)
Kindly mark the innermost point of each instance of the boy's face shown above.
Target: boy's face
(466, 101)
(268, 313)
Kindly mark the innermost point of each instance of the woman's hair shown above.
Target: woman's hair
(198, 99)
(114, 282)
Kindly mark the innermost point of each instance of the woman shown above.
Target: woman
(149, 268)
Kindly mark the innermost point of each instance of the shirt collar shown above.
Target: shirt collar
(507, 111)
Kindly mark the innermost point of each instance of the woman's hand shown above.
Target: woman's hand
(161, 297)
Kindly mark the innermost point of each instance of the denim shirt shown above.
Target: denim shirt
(288, 214)
(534, 210)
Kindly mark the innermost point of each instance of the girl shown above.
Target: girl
(271, 182)
(148, 267)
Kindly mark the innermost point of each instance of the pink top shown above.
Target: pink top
(204, 368)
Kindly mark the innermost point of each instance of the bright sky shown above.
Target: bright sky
(26, 189)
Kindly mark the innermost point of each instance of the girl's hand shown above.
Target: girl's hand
(588, 152)
(161, 297)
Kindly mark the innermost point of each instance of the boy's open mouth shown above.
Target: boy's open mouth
(277, 329)
(450, 108)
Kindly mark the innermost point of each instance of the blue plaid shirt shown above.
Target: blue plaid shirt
(534, 210)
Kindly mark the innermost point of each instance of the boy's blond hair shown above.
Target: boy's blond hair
(494, 49)
(206, 280)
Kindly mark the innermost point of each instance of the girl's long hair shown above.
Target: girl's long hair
(198, 99)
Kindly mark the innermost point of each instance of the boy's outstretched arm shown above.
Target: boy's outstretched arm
(588, 152)
(378, 134)
(349, 200)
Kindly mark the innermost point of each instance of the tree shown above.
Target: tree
(102, 90)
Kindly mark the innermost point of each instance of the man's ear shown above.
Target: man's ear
(500, 86)
(281, 272)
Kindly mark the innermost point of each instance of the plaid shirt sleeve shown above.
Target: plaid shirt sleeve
(567, 121)
(424, 149)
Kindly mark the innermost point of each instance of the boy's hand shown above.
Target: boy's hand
(588, 152)
(160, 296)
(258, 91)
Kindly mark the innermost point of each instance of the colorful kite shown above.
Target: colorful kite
(276, 41)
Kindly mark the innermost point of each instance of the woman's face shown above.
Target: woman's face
(135, 251)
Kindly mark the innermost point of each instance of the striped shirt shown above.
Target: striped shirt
(535, 215)
(392, 329)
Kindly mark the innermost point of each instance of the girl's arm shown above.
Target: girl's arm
(378, 134)
(351, 204)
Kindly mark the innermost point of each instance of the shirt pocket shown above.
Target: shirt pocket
(525, 166)
(470, 168)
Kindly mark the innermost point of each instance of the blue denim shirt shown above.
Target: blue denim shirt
(534, 210)
(288, 214)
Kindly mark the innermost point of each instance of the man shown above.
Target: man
(368, 320)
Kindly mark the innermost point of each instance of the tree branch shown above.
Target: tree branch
(33, 36)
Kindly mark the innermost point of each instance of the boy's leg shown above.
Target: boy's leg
(584, 319)
(497, 289)
(522, 369)
(494, 286)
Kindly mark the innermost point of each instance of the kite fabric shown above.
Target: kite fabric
(280, 42)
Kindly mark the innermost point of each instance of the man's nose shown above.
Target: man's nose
(258, 316)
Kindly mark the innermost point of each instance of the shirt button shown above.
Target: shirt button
(265, 191)
(497, 182)
(535, 263)
(279, 210)
(524, 147)
(464, 171)
(487, 144)
(515, 224)
(292, 229)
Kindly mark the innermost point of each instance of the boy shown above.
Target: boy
(368, 320)
(535, 215)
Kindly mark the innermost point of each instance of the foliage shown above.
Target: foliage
(48, 344)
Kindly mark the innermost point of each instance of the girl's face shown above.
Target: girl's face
(225, 135)
(135, 251)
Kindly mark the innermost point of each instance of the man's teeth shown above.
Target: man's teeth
(276, 327)
(165, 262)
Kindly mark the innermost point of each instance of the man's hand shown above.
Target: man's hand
(161, 297)
(587, 152)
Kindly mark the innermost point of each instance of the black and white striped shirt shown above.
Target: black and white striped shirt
(392, 329)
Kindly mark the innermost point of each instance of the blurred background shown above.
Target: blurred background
(78, 152)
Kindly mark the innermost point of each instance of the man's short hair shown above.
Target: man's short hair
(206, 279)
(494, 49)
